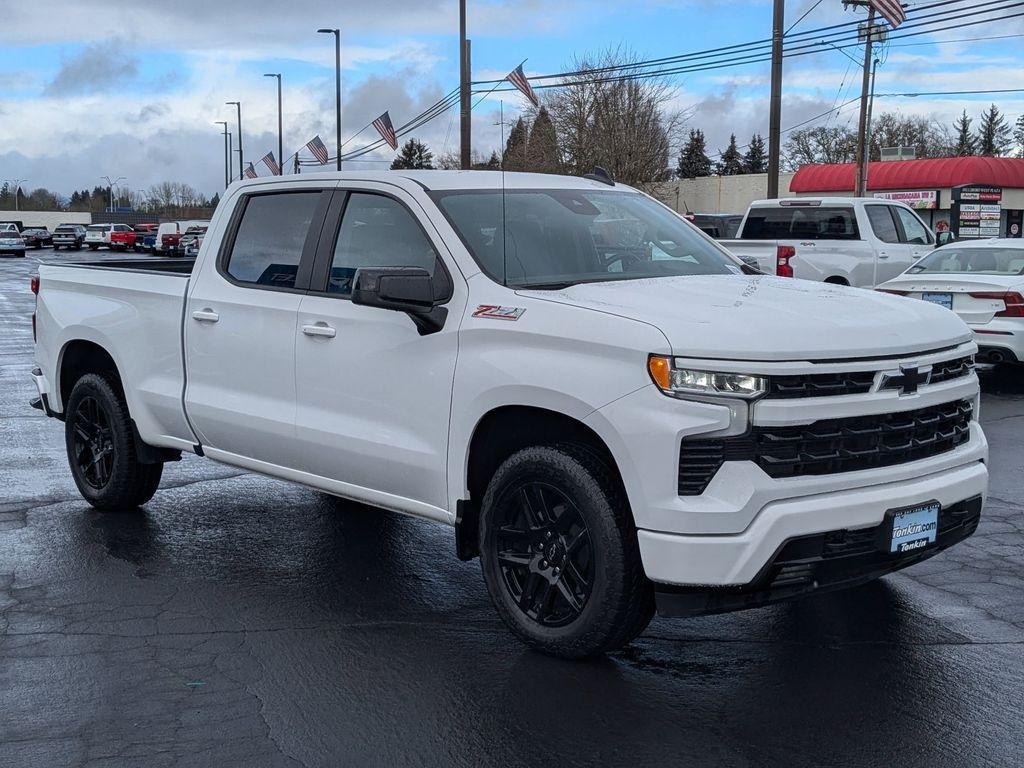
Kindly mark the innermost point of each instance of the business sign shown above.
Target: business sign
(977, 211)
(926, 200)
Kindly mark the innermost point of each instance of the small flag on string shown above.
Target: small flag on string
(319, 150)
(891, 10)
(250, 172)
(518, 79)
(386, 130)
(269, 161)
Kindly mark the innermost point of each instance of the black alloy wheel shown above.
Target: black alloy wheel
(545, 553)
(93, 443)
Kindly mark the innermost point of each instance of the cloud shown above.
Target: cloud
(96, 68)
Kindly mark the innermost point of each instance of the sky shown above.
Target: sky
(92, 88)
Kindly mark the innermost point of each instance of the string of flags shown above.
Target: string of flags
(386, 128)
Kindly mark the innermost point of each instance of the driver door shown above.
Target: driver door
(374, 396)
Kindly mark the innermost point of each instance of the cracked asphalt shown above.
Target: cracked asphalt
(242, 621)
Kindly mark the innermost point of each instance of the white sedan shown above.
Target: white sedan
(983, 282)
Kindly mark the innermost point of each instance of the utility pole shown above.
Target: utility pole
(227, 155)
(337, 87)
(465, 108)
(863, 169)
(862, 130)
(775, 105)
(280, 135)
(238, 105)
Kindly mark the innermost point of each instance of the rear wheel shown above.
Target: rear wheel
(560, 555)
(94, 247)
(101, 447)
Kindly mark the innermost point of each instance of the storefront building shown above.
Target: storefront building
(977, 197)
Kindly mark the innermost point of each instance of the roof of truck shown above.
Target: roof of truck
(445, 180)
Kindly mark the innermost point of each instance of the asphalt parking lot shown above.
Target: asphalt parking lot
(239, 620)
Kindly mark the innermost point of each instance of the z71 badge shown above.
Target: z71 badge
(493, 312)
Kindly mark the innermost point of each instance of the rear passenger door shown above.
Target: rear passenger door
(374, 396)
(240, 325)
(891, 253)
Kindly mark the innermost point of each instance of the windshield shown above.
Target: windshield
(801, 222)
(99, 227)
(554, 238)
(988, 261)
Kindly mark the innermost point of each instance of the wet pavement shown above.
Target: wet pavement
(242, 621)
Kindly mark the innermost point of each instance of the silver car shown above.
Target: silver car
(11, 241)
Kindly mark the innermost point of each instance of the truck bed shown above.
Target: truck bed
(181, 267)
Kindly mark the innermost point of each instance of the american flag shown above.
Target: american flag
(269, 161)
(891, 10)
(250, 172)
(386, 130)
(316, 146)
(518, 79)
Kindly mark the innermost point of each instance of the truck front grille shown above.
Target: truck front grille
(829, 447)
(855, 382)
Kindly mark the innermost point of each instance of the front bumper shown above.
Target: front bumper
(819, 563)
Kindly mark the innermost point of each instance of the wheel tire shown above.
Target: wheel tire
(94, 247)
(614, 600)
(101, 449)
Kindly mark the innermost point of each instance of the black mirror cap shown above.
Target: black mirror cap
(943, 238)
(404, 289)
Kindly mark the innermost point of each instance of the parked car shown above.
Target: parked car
(141, 232)
(16, 225)
(479, 350)
(11, 241)
(720, 226)
(149, 242)
(192, 239)
(982, 281)
(844, 240)
(122, 237)
(169, 234)
(97, 235)
(37, 237)
(70, 236)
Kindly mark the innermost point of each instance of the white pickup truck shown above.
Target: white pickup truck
(842, 240)
(598, 399)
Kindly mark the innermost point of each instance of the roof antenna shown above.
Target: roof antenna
(600, 174)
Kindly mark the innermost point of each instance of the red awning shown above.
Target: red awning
(913, 174)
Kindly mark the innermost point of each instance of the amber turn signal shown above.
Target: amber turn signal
(660, 369)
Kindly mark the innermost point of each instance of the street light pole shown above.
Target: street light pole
(17, 188)
(337, 86)
(280, 138)
(227, 156)
(110, 188)
(238, 105)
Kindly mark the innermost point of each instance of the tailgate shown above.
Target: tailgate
(759, 253)
(135, 316)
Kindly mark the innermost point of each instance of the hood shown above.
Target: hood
(770, 318)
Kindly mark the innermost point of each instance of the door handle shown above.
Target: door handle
(320, 329)
(883, 255)
(205, 316)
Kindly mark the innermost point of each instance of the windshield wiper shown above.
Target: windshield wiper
(543, 286)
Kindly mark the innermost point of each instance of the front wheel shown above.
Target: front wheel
(101, 447)
(560, 555)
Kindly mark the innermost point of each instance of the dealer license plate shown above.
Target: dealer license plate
(913, 528)
(942, 299)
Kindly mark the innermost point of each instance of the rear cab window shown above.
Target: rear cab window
(270, 238)
(801, 222)
(882, 223)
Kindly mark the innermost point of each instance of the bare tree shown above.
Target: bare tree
(604, 118)
(926, 135)
(820, 145)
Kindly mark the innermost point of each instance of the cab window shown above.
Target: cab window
(268, 244)
(377, 231)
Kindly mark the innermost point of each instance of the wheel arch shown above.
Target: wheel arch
(78, 357)
(501, 432)
(837, 280)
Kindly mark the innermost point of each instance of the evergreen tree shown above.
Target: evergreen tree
(756, 158)
(994, 133)
(493, 163)
(414, 155)
(1018, 136)
(731, 163)
(966, 144)
(516, 147)
(542, 147)
(693, 159)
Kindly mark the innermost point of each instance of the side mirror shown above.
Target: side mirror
(403, 289)
(943, 238)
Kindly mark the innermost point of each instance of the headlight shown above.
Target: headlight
(687, 381)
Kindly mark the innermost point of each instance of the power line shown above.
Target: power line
(954, 93)
(806, 13)
(959, 40)
(793, 52)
